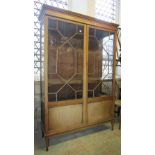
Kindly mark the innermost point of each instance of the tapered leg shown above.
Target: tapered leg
(112, 124)
(120, 120)
(46, 142)
(42, 134)
(119, 125)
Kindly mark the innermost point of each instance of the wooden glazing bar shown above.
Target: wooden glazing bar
(79, 101)
(98, 99)
(64, 103)
(65, 20)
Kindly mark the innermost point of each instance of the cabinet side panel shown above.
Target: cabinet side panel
(42, 79)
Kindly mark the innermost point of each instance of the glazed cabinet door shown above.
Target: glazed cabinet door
(65, 73)
(100, 73)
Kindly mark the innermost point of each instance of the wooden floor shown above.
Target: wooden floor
(96, 141)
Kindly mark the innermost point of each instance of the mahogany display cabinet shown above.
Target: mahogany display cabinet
(77, 71)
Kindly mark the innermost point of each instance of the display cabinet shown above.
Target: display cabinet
(77, 71)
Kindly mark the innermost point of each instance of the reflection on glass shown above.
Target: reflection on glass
(65, 60)
(100, 63)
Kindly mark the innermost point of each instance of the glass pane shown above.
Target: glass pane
(65, 60)
(100, 63)
(42, 78)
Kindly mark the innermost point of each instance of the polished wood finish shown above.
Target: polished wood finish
(79, 101)
(69, 115)
(85, 76)
(47, 142)
(75, 128)
(65, 14)
(99, 111)
(65, 116)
